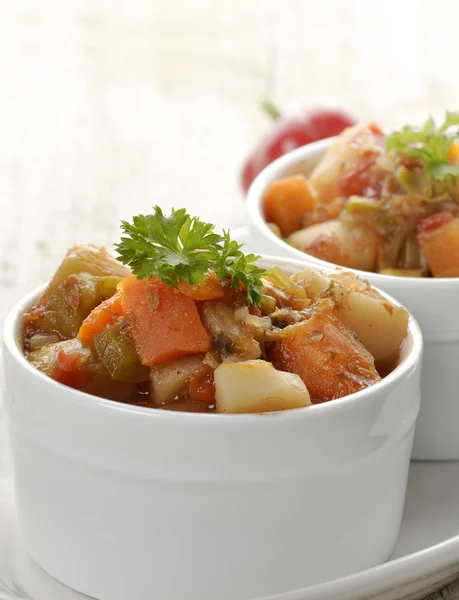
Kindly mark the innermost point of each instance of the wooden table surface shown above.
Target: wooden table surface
(110, 107)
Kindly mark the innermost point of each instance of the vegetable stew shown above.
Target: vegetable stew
(380, 203)
(211, 333)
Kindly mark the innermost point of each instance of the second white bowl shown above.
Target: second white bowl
(433, 302)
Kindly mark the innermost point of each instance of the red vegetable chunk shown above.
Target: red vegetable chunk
(434, 221)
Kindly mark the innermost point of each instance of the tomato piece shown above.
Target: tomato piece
(202, 385)
(68, 369)
(434, 221)
(363, 180)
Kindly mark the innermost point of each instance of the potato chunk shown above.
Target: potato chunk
(255, 386)
(168, 379)
(88, 259)
(355, 247)
(343, 154)
(327, 356)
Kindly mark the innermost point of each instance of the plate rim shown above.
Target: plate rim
(434, 559)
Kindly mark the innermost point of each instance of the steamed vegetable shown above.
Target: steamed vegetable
(344, 154)
(439, 242)
(169, 379)
(116, 352)
(287, 201)
(72, 364)
(105, 314)
(352, 246)
(230, 336)
(327, 356)
(380, 325)
(91, 259)
(65, 304)
(256, 386)
(163, 324)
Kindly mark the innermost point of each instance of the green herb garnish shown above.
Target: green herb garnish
(429, 143)
(179, 247)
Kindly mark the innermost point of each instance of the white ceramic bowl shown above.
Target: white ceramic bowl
(123, 502)
(433, 302)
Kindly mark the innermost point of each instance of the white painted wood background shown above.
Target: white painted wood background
(108, 107)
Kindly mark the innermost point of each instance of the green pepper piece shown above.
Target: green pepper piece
(65, 306)
(361, 203)
(91, 259)
(117, 353)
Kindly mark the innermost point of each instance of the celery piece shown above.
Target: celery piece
(117, 353)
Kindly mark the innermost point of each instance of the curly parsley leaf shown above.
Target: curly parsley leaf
(428, 143)
(179, 247)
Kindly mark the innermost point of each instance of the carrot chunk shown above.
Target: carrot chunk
(210, 288)
(327, 356)
(163, 324)
(105, 314)
(439, 242)
(287, 201)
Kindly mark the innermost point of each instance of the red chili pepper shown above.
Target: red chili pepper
(434, 221)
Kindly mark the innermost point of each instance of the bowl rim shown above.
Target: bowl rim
(12, 346)
(274, 171)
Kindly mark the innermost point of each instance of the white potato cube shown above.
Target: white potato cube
(255, 386)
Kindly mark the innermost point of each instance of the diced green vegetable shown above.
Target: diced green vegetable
(70, 363)
(91, 259)
(361, 203)
(63, 308)
(117, 353)
(283, 290)
(109, 285)
(267, 304)
(414, 181)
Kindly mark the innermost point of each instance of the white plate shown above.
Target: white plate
(426, 556)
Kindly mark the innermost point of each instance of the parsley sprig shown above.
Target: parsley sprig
(179, 247)
(429, 143)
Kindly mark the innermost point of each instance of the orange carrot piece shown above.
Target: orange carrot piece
(210, 288)
(375, 128)
(440, 245)
(163, 324)
(287, 201)
(327, 356)
(105, 314)
(453, 153)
